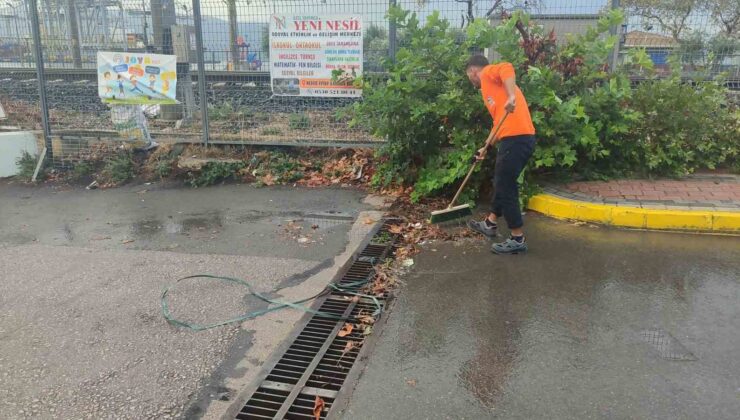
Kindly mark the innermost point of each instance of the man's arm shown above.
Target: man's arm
(508, 78)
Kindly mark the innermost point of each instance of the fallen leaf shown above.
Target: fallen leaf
(318, 407)
(346, 330)
(303, 240)
(396, 229)
(366, 319)
(368, 330)
(369, 221)
(128, 241)
(314, 227)
(268, 180)
(411, 382)
(347, 347)
(355, 299)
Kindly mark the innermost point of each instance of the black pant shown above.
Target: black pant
(512, 156)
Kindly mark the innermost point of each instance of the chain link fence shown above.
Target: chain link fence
(223, 71)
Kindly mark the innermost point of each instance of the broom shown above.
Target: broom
(453, 212)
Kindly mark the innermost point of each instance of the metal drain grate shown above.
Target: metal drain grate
(667, 346)
(318, 361)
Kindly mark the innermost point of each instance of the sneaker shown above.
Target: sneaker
(509, 246)
(482, 228)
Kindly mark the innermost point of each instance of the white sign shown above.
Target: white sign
(316, 55)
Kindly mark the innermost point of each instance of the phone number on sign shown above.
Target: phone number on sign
(347, 92)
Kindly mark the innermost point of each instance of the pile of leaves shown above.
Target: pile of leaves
(350, 168)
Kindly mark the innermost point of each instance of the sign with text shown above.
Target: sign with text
(137, 79)
(316, 55)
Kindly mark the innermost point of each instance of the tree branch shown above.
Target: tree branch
(495, 6)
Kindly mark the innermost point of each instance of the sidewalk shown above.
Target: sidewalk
(699, 203)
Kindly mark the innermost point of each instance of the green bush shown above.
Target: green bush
(684, 127)
(26, 165)
(214, 172)
(82, 169)
(590, 122)
(163, 168)
(299, 121)
(119, 169)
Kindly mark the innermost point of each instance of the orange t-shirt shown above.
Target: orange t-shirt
(494, 96)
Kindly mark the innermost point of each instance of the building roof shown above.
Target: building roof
(641, 39)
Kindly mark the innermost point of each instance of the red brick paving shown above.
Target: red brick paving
(694, 190)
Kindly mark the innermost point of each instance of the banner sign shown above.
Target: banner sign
(316, 55)
(137, 79)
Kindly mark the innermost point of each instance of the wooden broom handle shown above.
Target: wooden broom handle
(472, 168)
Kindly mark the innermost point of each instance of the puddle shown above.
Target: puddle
(147, 229)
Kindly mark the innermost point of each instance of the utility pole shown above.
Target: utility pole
(74, 34)
(16, 18)
(392, 30)
(143, 14)
(615, 30)
(197, 22)
(40, 75)
(233, 29)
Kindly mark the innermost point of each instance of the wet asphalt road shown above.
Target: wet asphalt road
(81, 329)
(588, 324)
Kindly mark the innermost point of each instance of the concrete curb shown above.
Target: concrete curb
(636, 217)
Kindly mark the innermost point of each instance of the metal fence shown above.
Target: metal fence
(48, 53)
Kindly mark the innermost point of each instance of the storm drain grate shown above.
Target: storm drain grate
(318, 361)
(667, 346)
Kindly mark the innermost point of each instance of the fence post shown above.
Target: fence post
(392, 47)
(40, 76)
(201, 70)
(615, 30)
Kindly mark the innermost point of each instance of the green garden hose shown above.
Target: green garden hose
(344, 288)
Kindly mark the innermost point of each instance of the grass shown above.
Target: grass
(27, 166)
(229, 112)
(299, 121)
(271, 131)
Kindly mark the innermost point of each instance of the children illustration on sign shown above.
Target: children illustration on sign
(120, 85)
(136, 79)
(135, 86)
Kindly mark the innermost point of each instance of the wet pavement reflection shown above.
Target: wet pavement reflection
(591, 323)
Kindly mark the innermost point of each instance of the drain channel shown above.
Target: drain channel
(318, 361)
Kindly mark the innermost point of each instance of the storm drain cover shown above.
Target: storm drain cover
(316, 365)
(667, 346)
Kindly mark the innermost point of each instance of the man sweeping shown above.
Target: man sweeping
(515, 143)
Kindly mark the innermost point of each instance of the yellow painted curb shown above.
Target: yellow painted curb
(636, 217)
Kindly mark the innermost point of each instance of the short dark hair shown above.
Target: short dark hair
(476, 60)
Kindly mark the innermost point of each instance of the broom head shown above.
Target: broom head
(452, 213)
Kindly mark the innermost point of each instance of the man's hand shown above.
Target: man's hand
(510, 104)
(481, 153)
